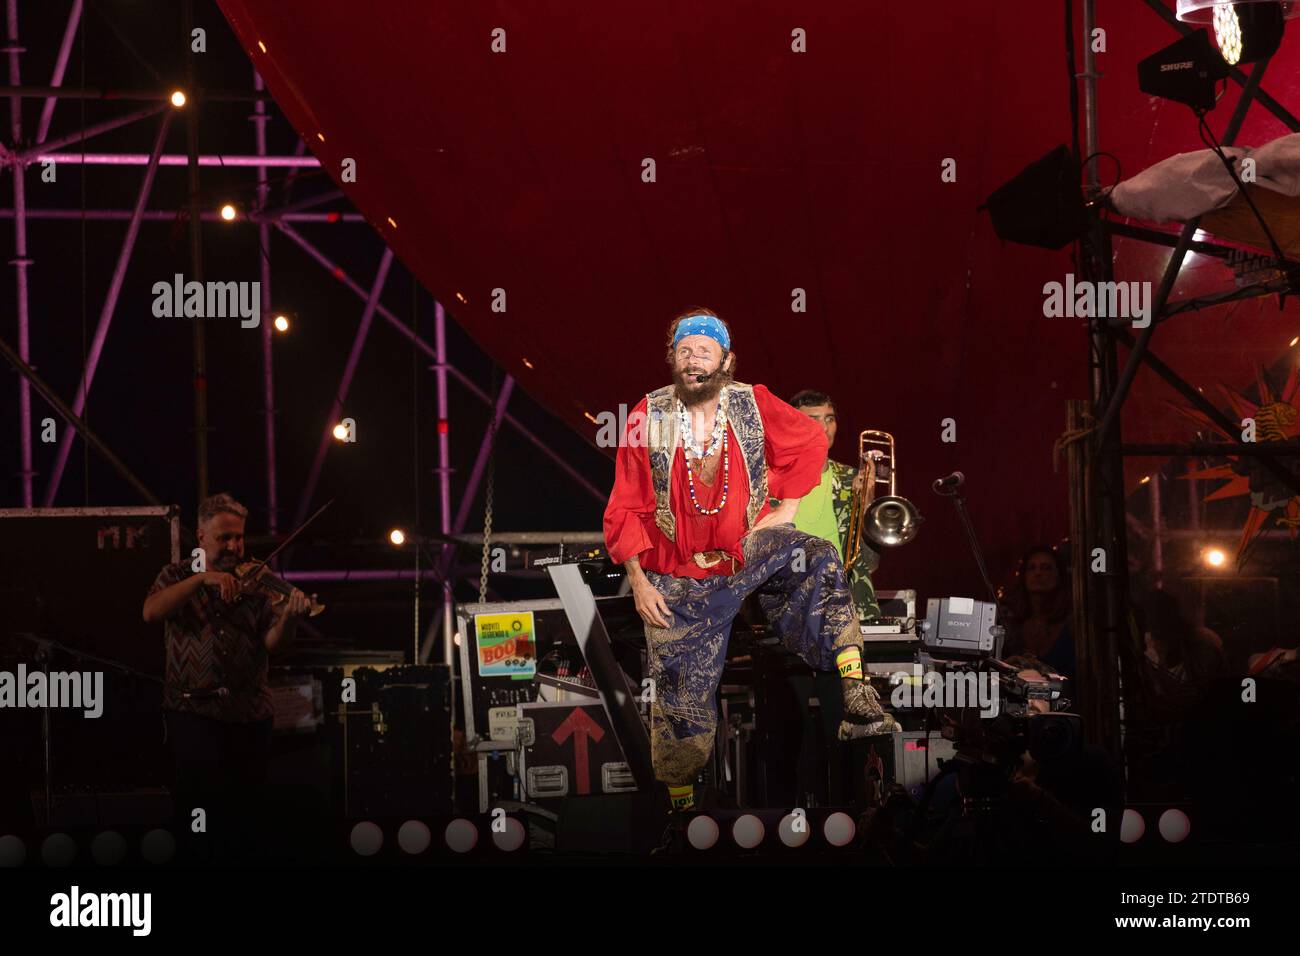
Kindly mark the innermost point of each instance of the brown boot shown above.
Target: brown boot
(863, 715)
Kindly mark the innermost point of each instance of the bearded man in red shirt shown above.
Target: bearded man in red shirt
(689, 518)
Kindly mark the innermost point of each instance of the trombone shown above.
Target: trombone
(887, 521)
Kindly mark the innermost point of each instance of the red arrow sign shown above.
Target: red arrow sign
(579, 726)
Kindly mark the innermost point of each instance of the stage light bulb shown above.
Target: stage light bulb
(1227, 33)
(1214, 557)
(397, 537)
(228, 212)
(282, 323)
(178, 99)
(1145, 479)
(340, 431)
(1294, 341)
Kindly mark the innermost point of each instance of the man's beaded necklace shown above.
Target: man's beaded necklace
(692, 447)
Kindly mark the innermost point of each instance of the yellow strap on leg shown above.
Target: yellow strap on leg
(683, 797)
(849, 663)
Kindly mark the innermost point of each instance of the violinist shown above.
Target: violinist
(219, 632)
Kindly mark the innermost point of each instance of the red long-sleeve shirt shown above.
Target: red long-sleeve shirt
(795, 449)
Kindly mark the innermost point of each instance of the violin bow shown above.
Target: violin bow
(293, 534)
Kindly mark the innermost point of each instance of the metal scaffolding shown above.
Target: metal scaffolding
(1099, 516)
(18, 157)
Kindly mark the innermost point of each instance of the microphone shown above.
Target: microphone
(949, 484)
(699, 379)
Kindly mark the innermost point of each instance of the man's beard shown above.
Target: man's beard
(694, 393)
(226, 561)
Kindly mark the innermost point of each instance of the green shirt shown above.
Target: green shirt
(837, 488)
(816, 513)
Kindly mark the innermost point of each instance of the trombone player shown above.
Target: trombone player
(827, 510)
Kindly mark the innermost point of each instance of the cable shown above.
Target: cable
(1207, 137)
(1074, 83)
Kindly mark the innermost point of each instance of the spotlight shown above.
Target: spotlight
(1214, 557)
(397, 537)
(340, 431)
(1186, 72)
(1294, 341)
(461, 835)
(282, 323)
(366, 838)
(1132, 826)
(748, 831)
(228, 212)
(178, 99)
(1174, 825)
(702, 832)
(1248, 32)
(414, 837)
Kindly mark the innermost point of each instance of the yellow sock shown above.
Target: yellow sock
(849, 662)
(683, 797)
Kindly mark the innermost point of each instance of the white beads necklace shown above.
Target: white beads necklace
(691, 446)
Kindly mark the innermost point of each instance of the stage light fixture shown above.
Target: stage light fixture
(340, 431)
(1248, 32)
(702, 832)
(1187, 71)
(282, 323)
(1214, 557)
(178, 99)
(397, 536)
(228, 212)
(1294, 341)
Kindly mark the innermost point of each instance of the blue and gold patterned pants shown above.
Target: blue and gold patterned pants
(802, 590)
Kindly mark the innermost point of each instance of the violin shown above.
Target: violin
(255, 577)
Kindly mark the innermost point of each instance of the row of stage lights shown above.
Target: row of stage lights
(228, 211)
(462, 835)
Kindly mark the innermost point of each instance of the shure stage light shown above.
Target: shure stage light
(1246, 30)
(1186, 71)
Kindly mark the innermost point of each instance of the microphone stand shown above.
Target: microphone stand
(43, 654)
(959, 502)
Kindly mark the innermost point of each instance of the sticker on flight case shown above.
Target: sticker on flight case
(505, 645)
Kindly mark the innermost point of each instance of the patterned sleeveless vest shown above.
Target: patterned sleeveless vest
(662, 440)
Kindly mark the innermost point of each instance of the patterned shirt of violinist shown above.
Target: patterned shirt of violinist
(218, 639)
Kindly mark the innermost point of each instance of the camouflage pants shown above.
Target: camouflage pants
(802, 591)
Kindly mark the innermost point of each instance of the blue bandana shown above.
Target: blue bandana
(703, 325)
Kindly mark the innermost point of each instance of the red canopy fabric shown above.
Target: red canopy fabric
(776, 170)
